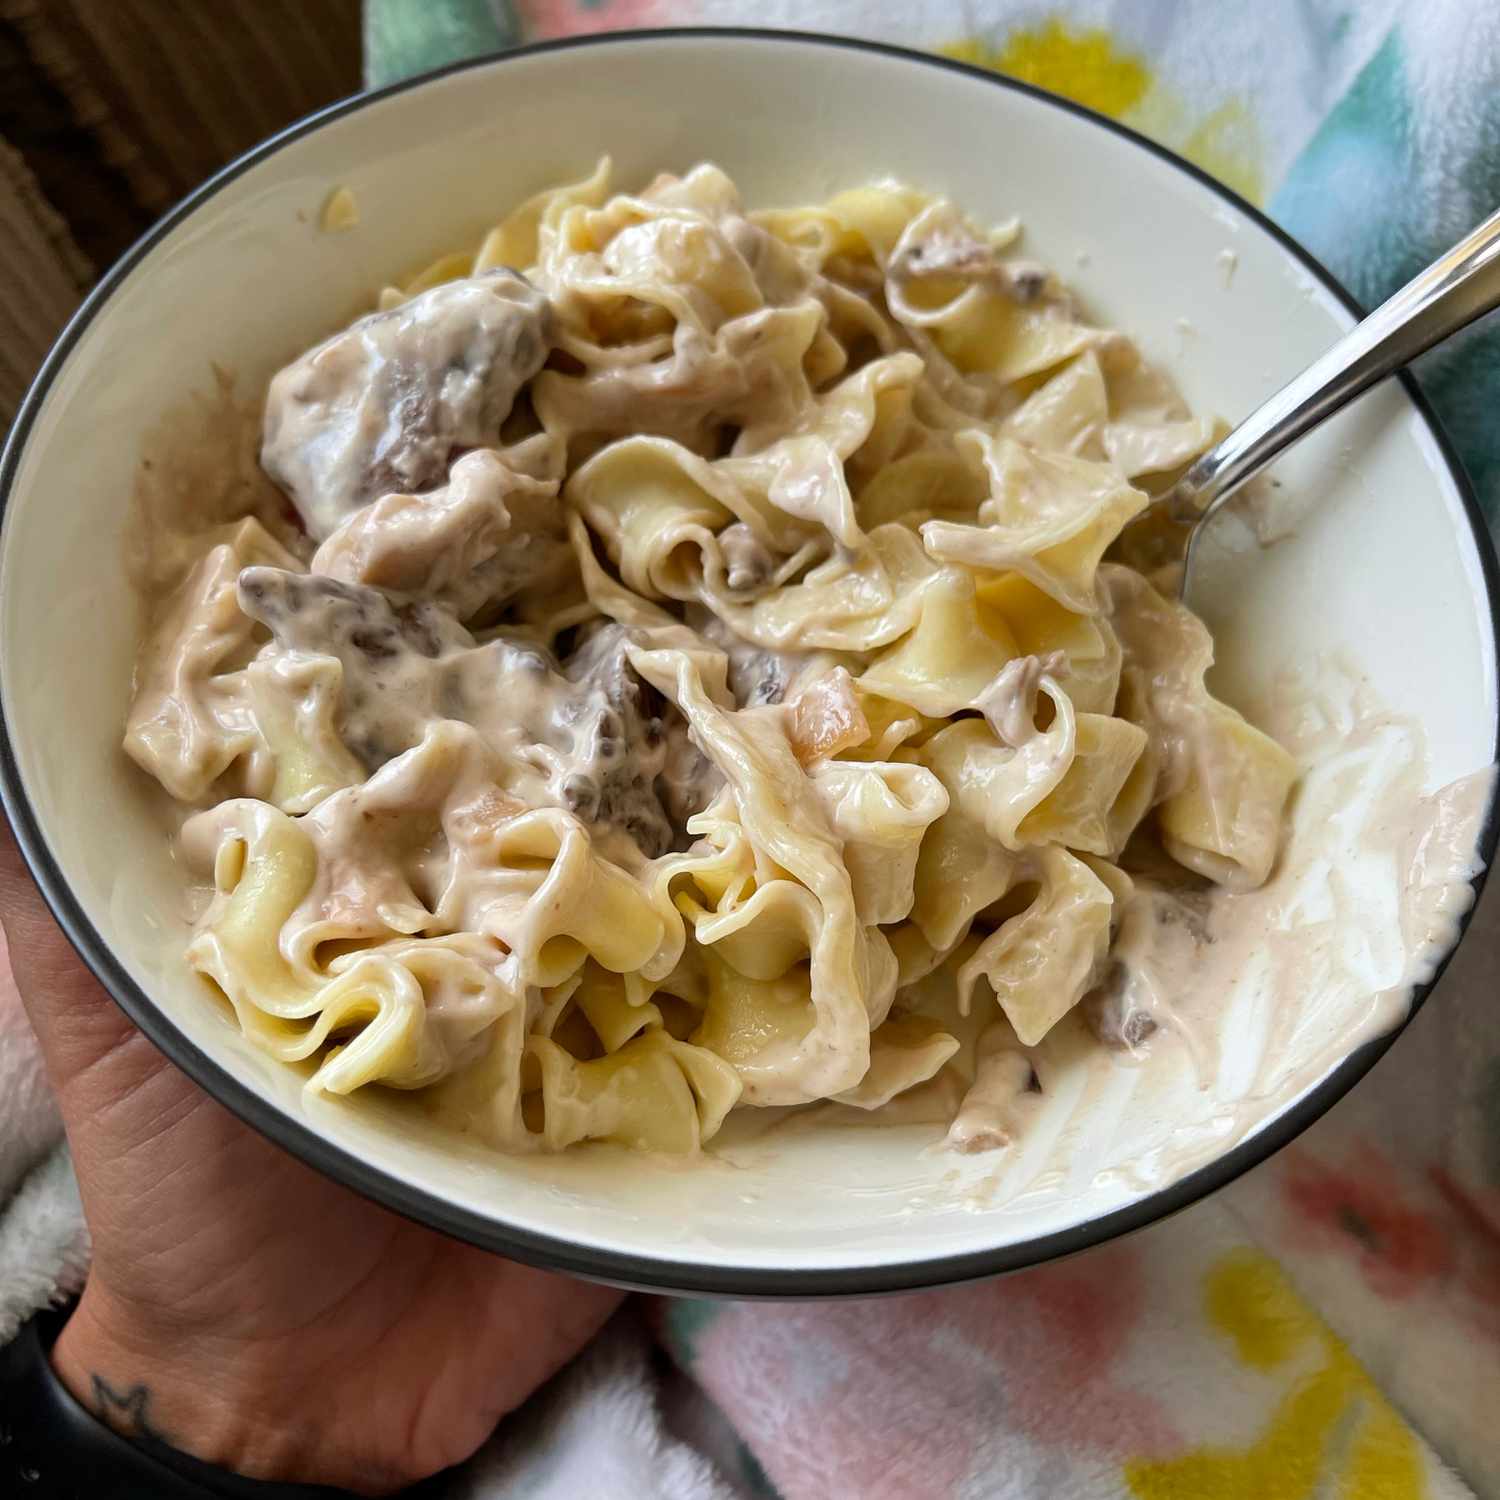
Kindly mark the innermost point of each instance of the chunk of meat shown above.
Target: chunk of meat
(757, 676)
(1115, 1012)
(587, 735)
(610, 723)
(634, 752)
(380, 407)
(390, 654)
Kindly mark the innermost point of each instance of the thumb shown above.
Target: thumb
(74, 1018)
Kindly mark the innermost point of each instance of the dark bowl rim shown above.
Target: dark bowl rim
(550, 1251)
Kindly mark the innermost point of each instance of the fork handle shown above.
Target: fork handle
(1458, 287)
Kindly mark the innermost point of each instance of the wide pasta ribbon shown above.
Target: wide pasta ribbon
(852, 972)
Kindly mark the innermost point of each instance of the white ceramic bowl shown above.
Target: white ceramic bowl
(1392, 568)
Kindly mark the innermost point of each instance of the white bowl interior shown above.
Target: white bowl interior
(1383, 569)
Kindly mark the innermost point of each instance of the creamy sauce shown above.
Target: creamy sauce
(1221, 1008)
(1009, 702)
(585, 734)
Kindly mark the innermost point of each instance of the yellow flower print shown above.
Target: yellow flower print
(1332, 1433)
(1081, 65)
(1086, 65)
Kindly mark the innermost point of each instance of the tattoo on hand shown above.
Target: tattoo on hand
(125, 1411)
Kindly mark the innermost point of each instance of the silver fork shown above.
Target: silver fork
(1451, 293)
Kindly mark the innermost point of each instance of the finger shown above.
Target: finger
(30, 1112)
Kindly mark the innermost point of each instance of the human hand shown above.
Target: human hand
(241, 1307)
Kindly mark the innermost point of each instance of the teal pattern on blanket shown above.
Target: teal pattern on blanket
(403, 38)
(1375, 209)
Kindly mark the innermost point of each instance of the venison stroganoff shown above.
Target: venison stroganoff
(694, 659)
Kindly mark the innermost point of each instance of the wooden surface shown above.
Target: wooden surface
(111, 110)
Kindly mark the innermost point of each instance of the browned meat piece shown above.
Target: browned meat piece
(382, 406)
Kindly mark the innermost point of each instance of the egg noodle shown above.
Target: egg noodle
(686, 646)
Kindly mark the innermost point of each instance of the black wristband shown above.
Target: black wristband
(51, 1448)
